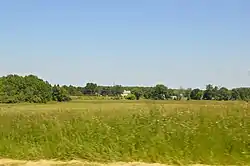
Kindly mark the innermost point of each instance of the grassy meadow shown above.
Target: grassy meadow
(171, 132)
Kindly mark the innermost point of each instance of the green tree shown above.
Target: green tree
(196, 94)
(24, 89)
(60, 94)
(137, 92)
(90, 89)
(117, 90)
(209, 92)
(106, 91)
(187, 93)
(235, 95)
(12, 87)
(73, 91)
(244, 93)
(148, 92)
(36, 90)
(160, 92)
(223, 94)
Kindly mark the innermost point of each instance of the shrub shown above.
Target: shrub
(130, 97)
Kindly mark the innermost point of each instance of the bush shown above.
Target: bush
(130, 97)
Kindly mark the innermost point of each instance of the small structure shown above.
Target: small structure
(173, 97)
(125, 93)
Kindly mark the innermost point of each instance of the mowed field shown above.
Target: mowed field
(167, 132)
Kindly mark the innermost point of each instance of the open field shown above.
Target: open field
(169, 132)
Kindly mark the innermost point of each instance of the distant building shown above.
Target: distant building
(180, 97)
(173, 97)
(125, 93)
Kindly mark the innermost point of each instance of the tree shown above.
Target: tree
(137, 92)
(196, 94)
(216, 93)
(235, 95)
(106, 91)
(160, 92)
(90, 89)
(187, 93)
(117, 90)
(36, 90)
(148, 92)
(30, 88)
(12, 87)
(73, 91)
(60, 94)
(209, 92)
(244, 93)
(223, 94)
(171, 92)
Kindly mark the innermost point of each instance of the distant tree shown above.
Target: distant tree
(216, 94)
(160, 92)
(90, 89)
(244, 93)
(30, 88)
(196, 94)
(223, 94)
(137, 92)
(148, 92)
(36, 90)
(117, 90)
(12, 86)
(73, 91)
(1, 88)
(235, 95)
(60, 94)
(171, 92)
(106, 91)
(187, 93)
(181, 92)
(209, 92)
(177, 93)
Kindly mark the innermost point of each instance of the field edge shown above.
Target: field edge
(13, 162)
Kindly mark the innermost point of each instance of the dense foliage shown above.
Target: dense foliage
(14, 89)
(161, 92)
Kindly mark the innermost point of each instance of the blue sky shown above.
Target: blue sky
(129, 42)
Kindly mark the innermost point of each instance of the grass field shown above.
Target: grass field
(170, 132)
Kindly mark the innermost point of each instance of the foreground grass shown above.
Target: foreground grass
(164, 132)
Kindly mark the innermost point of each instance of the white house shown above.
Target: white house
(125, 93)
(173, 97)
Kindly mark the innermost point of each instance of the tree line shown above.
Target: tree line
(161, 92)
(15, 89)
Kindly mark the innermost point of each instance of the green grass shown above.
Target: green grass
(165, 132)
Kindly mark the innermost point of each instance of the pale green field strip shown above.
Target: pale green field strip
(10, 162)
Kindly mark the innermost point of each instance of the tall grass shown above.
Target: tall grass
(213, 133)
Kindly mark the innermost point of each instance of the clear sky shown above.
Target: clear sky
(187, 43)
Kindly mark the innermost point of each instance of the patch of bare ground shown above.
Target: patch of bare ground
(10, 162)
